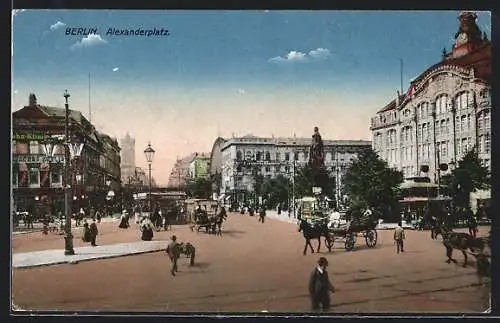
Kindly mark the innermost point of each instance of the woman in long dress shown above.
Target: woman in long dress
(147, 229)
(123, 221)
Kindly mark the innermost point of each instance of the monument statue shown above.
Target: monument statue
(316, 151)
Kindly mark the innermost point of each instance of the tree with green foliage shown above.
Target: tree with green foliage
(305, 179)
(468, 177)
(276, 191)
(199, 188)
(369, 182)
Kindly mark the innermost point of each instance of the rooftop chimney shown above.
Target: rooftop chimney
(32, 100)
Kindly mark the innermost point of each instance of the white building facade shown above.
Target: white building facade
(273, 156)
(445, 113)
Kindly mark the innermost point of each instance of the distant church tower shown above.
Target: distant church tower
(127, 158)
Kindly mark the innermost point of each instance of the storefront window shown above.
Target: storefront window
(34, 177)
(34, 148)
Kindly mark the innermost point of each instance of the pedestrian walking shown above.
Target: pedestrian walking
(320, 287)
(86, 232)
(93, 233)
(98, 215)
(399, 236)
(471, 222)
(173, 252)
(262, 214)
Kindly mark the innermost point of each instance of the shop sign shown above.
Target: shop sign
(31, 136)
(34, 159)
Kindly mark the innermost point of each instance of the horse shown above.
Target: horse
(461, 241)
(314, 232)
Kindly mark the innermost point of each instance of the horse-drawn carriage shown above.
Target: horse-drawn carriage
(348, 233)
(316, 223)
(204, 216)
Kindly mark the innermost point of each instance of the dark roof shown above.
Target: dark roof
(392, 104)
(60, 112)
(479, 59)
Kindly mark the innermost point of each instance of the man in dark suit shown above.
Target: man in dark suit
(320, 286)
(174, 254)
(93, 233)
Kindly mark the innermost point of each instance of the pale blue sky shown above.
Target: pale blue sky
(224, 72)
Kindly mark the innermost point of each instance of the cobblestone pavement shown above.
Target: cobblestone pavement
(254, 267)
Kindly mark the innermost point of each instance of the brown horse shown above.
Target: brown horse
(461, 241)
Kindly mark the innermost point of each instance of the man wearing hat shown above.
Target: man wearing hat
(174, 253)
(320, 286)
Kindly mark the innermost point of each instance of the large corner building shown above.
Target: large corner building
(445, 113)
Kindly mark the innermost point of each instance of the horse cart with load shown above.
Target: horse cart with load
(364, 226)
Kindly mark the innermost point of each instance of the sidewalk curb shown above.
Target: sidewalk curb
(75, 262)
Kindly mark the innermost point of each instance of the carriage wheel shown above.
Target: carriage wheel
(371, 238)
(350, 241)
(329, 241)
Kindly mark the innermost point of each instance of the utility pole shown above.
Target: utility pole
(293, 187)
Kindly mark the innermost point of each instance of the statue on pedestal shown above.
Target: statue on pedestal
(316, 151)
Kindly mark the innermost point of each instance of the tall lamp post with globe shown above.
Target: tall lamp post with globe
(149, 153)
(72, 150)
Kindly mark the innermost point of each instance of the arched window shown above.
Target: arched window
(484, 94)
(423, 110)
(443, 104)
(238, 155)
(463, 100)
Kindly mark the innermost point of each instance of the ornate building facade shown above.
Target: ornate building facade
(445, 113)
(274, 156)
(37, 179)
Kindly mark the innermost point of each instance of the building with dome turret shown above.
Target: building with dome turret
(445, 113)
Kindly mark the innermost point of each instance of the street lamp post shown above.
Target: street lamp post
(68, 237)
(149, 152)
(70, 150)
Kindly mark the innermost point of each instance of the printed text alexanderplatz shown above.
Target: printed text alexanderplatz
(119, 32)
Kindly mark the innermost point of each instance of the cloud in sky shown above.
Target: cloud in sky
(116, 69)
(241, 91)
(88, 41)
(297, 56)
(57, 25)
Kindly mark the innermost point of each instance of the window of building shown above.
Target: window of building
(487, 143)
(481, 144)
(480, 122)
(268, 169)
(443, 127)
(258, 155)
(485, 93)
(487, 120)
(287, 169)
(459, 146)
(444, 148)
(463, 100)
(55, 177)
(468, 122)
(443, 104)
(296, 156)
(22, 148)
(278, 157)
(34, 148)
(436, 126)
(34, 177)
(238, 155)
(465, 148)
(268, 156)
(287, 156)
(463, 123)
